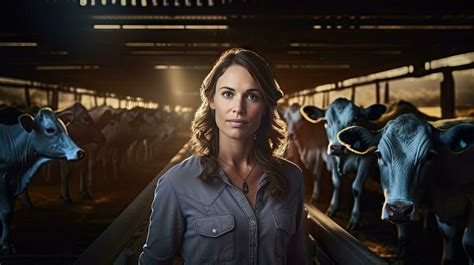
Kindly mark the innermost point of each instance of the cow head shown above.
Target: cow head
(407, 149)
(82, 128)
(341, 114)
(48, 134)
(292, 116)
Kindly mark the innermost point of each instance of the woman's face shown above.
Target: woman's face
(238, 104)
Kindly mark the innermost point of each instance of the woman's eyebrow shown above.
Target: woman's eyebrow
(246, 91)
(226, 87)
(253, 90)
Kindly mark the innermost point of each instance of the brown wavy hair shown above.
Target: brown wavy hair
(270, 140)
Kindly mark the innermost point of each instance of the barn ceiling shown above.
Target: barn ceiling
(162, 49)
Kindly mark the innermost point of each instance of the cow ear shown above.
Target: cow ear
(458, 138)
(27, 122)
(65, 116)
(359, 140)
(312, 113)
(374, 112)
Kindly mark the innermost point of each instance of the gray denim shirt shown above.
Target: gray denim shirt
(213, 223)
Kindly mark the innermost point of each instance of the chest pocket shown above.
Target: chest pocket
(216, 239)
(285, 228)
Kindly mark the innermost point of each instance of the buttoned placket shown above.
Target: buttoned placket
(239, 196)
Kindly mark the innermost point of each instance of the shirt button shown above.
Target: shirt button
(214, 230)
(252, 222)
(252, 244)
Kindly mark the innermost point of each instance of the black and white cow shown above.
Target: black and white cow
(24, 147)
(418, 161)
(340, 114)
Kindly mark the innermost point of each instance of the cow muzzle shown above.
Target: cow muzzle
(400, 212)
(336, 149)
(75, 154)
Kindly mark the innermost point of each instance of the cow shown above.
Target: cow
(83, 130)
(152, 145)
(25, 146)
(310, 142)
(418, 162)
(340, 114)
(102, 116)
(124, 128)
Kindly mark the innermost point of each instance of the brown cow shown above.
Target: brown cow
(310, 142)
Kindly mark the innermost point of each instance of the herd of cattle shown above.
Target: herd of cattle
(423, 163)
(99, 135)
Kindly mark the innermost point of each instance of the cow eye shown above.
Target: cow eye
(380, 157)
(50, 130)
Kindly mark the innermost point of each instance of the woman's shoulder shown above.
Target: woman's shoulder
(184, 179)
(187, 169)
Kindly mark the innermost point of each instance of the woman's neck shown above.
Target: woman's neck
(236, 152)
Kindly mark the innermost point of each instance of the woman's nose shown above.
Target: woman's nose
(239, 107)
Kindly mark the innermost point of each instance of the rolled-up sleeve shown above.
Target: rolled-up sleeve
(166, 227)
(298, 247)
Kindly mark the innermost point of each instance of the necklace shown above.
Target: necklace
(245, 186)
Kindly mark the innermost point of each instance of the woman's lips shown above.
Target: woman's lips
(237, 123)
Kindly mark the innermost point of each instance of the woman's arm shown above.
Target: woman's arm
(167, 225)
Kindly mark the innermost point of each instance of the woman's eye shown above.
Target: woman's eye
(227, 94)
(50, 130)
(253, 97)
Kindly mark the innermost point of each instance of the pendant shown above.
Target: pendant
(245, 187)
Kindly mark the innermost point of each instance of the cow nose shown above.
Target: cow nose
(400, 212)
(80, 154)
(336, 149)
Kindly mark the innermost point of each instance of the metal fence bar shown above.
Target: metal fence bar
(340, 246)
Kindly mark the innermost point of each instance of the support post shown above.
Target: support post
(353, 93)
(377, 92)
(386, 95)
(447, 95)
(27, 97)
(54, 99)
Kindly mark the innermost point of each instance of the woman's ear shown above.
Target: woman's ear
(211, 104)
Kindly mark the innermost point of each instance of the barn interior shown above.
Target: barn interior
(151, 53)
(162, 50)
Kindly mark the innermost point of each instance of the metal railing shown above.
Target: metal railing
(334, 244)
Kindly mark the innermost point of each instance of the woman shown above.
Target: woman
(234, 201)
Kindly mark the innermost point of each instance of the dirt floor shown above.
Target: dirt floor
(56, 233)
